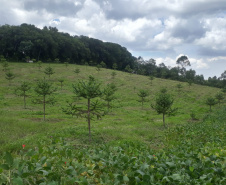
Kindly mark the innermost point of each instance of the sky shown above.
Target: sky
(158, 29)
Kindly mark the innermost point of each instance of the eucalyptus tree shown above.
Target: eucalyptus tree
(183, 62)
(44, 90)
(22, 90)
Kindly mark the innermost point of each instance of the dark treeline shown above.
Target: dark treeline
(48, 45)
(27, 42)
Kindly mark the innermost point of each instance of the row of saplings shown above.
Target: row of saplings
(91, 89)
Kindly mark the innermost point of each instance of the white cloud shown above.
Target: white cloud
(163, 28)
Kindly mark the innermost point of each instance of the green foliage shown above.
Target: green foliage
(66, 64)
(224, 90)
(71, 109)
(179, 87)
(151, 78)
(9, 76)
(98, 67)
(163, 105)
(194, 154)
(114, 66)
(143, 95)
(211, 102)
(219, 96)
(185, 153)
(108, 94)
(44, 89)
(163, 90)
(190, 83)
(128, 69)
(49, 71)
(103, 65)
(57, 60)
(193, 115)
(61, 80)
(39, 63)
(77, 71)
(89, 90)
(183, 61)
(22, 91)
(5, 65)
(113, 74)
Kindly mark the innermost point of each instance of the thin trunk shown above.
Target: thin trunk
(89, 120)
(24, 102)
(44, 106)
(163, 117)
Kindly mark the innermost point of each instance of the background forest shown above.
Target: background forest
(29, 43)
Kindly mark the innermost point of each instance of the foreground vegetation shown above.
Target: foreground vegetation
(129, 144)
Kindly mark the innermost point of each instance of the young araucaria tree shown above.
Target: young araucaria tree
(142, 94)
(163, 105)
(9, 76)
(211, 102)
(44, 89)
(89, 90)
(108, 94)
(49, 71)
(22, 91)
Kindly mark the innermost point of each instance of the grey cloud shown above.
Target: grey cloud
(203, 8)
(117, 9)
(189, 31)
(210, 52)
(61, 8)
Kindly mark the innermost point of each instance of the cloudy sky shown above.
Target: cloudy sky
(163, 29)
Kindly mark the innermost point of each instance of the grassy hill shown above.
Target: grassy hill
(127, 122)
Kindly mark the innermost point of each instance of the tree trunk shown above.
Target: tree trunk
(163, 118)
(89, 119)
(44, 106)
(24, 103)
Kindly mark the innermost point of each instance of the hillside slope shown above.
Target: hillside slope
(127, 120)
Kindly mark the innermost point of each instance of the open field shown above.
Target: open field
(126, 120)
(129, 144)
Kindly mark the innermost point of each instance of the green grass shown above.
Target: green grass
(129, 144)
(126, 121)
